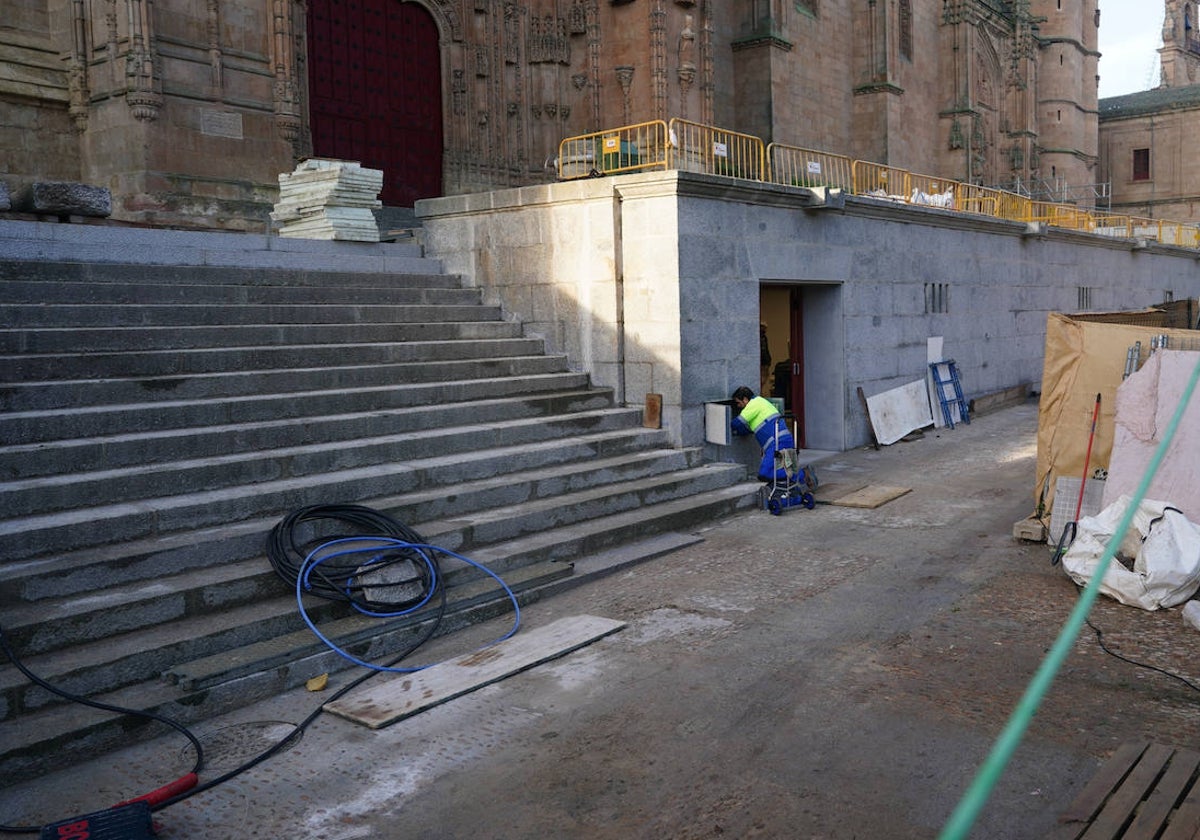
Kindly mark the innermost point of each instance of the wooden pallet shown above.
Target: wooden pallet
(1144, 792)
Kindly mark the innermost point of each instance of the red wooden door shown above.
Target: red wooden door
(375, 92)
(796, 385)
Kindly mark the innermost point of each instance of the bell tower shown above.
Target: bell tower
(1180, 52)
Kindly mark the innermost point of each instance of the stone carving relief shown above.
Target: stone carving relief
(77, 78)
(577, 19)
(512, 33)
(548, 42)
(458, 93)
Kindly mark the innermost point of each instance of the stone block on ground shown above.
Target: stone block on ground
(5, 201)
(65, 198)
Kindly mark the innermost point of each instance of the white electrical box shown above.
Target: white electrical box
(717, 416)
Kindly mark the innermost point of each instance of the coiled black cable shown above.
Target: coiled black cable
(341, 582)
(367, 586)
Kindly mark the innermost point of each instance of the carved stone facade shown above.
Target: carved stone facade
(188, 110)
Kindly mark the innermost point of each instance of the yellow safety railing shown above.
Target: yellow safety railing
(695, 147)
(879, 180)
(931, 192)
(630, 148)
(1145, 228)
(1058, 215)
(1116, 226)
(797, 167)
(718, 151)
(972, 198)
(1177, 233)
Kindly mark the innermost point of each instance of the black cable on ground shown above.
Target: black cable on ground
(1105, 648)
(316, 713)
(340, 582)
(95, 704)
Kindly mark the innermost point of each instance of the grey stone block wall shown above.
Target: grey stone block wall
(681, 319)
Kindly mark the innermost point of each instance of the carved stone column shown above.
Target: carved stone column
(143, 92)
(285, 90)
(77, 79)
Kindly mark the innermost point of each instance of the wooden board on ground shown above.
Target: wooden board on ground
(1145, 791)
(871, 496)
(403, 695)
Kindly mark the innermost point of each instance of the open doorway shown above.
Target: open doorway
(801, 329)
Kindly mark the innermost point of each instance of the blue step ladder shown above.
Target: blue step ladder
(946, 374)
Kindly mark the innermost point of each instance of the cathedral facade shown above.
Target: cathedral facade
(189, 110)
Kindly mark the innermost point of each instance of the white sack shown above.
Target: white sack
(1166, 555)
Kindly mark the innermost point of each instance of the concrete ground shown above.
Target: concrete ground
(834, 673)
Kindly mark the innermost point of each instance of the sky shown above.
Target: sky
(1130, 35)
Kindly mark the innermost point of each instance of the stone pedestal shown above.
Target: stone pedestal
(329, 199)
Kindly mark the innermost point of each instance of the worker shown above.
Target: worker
(758, 416)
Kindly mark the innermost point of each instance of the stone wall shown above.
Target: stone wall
(188, 111)
(651, 283)
(1163, 122)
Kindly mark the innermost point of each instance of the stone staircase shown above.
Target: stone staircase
(168, 396)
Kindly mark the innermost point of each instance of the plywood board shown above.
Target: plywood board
(383, 703)
(899, 411)
(871, 496)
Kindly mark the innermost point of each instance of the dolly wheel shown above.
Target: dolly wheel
(775, 507)
(808, 501)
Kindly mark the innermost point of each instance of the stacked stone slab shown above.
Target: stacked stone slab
(329, 199)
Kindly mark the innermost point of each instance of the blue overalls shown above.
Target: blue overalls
(761, 418)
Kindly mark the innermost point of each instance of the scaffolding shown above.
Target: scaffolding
(1058, 191)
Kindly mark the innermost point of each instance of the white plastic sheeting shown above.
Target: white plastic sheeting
(1162, 544)
(1145, 403)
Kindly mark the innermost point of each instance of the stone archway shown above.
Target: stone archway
(375, 92)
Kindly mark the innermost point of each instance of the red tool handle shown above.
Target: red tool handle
(1087, 459)
(162, 794)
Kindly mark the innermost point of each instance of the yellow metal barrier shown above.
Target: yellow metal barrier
(975, 199)
(1177, 233)
(1115, 226)
(797, 167)
(1058, 215)
(681, 144)
(630, 148)
(930, 191)
(717, 151)
(1140, 228)
(879, 180)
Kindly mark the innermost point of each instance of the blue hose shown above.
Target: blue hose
(426, 552)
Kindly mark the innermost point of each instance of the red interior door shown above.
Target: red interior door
(375, 92)
(796, 385)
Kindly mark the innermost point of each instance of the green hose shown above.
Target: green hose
(977, 794)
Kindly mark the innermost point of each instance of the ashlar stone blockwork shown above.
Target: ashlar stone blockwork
(189, 110)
